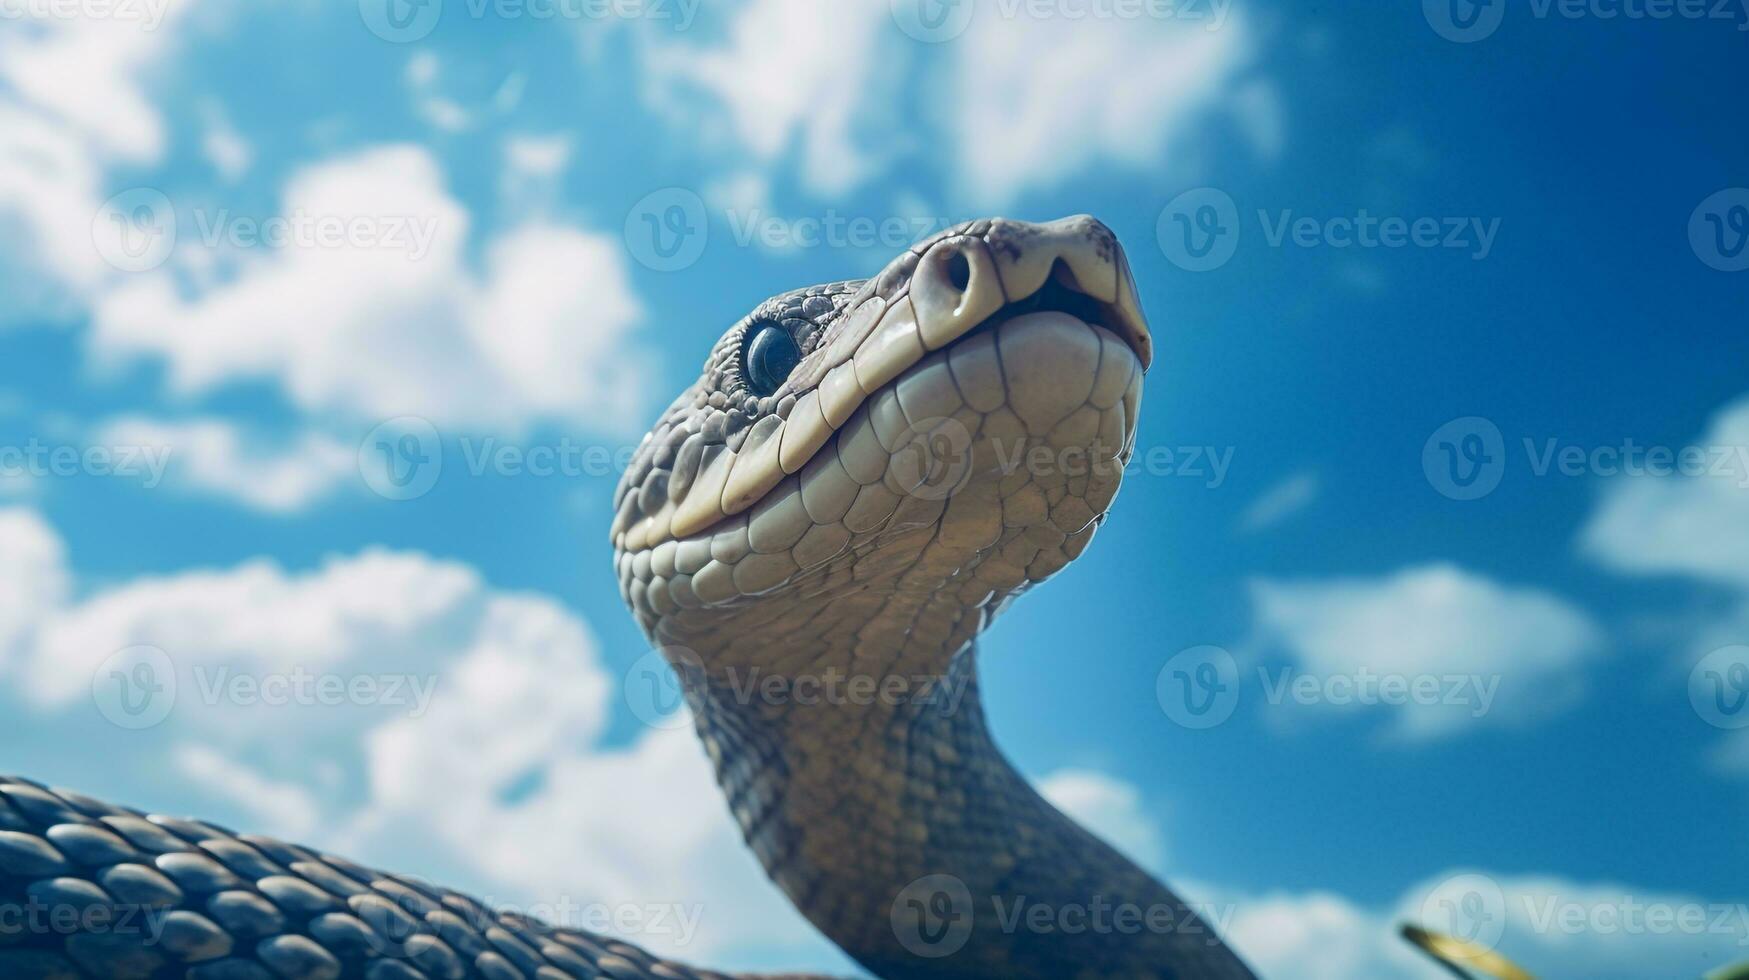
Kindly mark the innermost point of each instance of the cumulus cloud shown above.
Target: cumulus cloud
(33, 577)
(225, 148)
(388, 317)
(216, 457)
(502, 772)
(71, 107)
(1695, 525)
(796, 78)
(1109, 807)
(255, 616)
(1037, 100)
(282, 808)
(1558, 927)
(1015, 102)
(1501, 654)
(1555, 927)
(1322, 936)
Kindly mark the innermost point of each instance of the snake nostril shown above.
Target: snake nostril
(959, 271)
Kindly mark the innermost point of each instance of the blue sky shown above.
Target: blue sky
(1423, 255)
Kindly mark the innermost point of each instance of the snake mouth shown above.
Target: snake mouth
(947, 292)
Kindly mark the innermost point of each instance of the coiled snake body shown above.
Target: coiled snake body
(814, 534)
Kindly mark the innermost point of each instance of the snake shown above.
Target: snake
(865, 475)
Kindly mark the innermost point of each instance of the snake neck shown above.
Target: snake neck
(885, 811)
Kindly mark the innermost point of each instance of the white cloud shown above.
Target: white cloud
(393, 321)
(1037, 100)
(72, 106)
(795, 76)
(505, 722)
(281, 808)
(1694, 525)
(218, 458)
(1557, 927)
(507, 778)
(224, 147)
(421, 71)
(32, 578)
(1110, 808)
(1014, 103)
(421, 76)
(1435, 621)
(49, 191)
(537, 156)
(1280, 502)
(1322, 936)
(503, 775)
(83, 70)
(255, 616)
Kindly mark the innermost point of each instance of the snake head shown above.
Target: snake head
(954, 427)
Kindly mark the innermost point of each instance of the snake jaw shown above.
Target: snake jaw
(926, 299)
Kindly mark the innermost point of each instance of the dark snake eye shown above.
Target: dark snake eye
(771, 355)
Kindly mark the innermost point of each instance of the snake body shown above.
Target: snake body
(863, 477)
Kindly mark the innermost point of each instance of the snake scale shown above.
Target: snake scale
(814, 534)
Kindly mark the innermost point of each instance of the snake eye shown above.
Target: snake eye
(769, 358)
